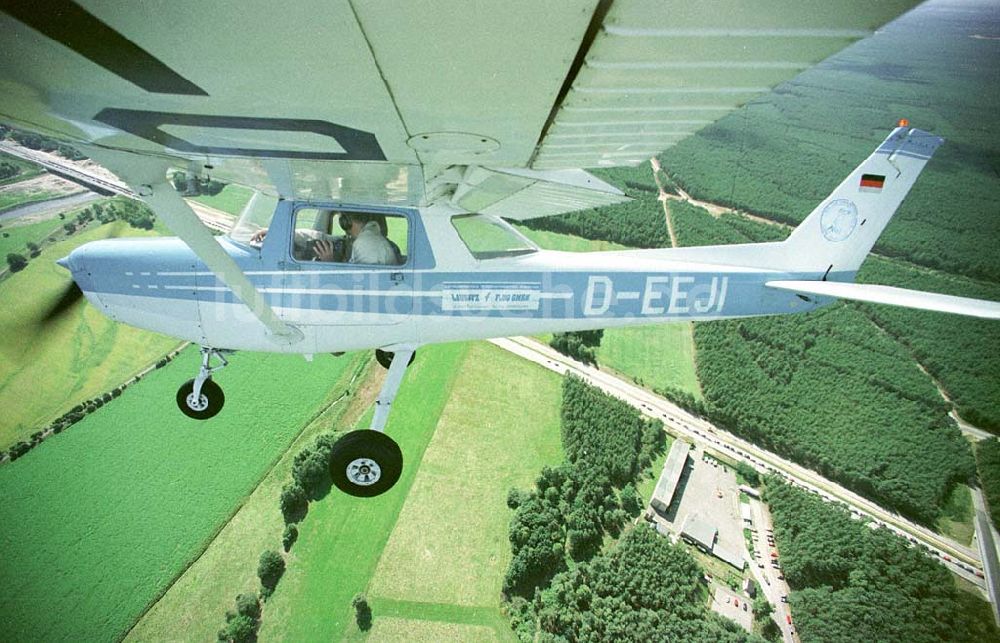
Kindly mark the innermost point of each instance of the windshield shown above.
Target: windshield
(490, 237)
(256, 216)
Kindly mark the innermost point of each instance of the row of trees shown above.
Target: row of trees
(853, 583)
(310, 481)
(8, 170)
(77, 413)
(580, 345)
(43, 143)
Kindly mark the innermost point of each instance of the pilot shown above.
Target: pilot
(369, 243)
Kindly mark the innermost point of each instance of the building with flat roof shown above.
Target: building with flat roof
(730, 556)
(663, 495)
(699, 533)
(747, 516)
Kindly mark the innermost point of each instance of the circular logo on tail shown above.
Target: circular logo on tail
(839, 219)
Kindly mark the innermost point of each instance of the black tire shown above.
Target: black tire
(385, 358)
(212, 400)
(351, 459)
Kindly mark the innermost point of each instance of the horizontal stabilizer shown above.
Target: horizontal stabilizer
(894, 297)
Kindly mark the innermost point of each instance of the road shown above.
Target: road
(91, 175)
(957, 558)
(87, 174)
(766, 575)
(989, 540)
(42, 210)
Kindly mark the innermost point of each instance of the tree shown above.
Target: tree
(269, 569)
(289, 537)
(16, 261)
(362, 612)
(294, 503)
(248, 605)
(239, 629)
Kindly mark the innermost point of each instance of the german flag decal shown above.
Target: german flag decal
(872, 182)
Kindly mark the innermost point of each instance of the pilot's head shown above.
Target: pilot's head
(354, 222)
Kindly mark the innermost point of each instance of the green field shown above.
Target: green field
(101, 518)
(45, 373)
(567, 242)
(15, 238)
(193, 608)
(17, 197)
(435, 549)
(659, 357)
(956, 515)
(27, 168)
(231, 199)
(450, 547)
(342, 537)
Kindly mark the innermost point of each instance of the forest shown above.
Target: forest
(564, 582)
(783, 153)
(853, 583)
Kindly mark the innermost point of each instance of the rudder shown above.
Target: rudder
(841, 231)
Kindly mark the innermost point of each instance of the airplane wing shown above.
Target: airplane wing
(369, 101)
(894, 297)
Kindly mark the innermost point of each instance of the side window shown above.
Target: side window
(333, 236)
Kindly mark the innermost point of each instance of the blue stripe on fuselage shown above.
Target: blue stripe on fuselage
(555, 295)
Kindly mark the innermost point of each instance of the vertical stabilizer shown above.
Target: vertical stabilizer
(838, 235)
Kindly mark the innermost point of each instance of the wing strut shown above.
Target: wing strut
(146, 175)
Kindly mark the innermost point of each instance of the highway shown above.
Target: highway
(93, 176)
(957, 558)
(986, 534)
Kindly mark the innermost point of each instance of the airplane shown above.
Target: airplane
(429, 125)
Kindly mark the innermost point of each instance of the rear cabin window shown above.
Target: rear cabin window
(490, 237)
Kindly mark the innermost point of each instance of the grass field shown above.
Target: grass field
(660, 357)
(231, 199)
(98, 520)
(16, 197)
(957, 513)
(28, 169)
(495, 422)
(45, 373)
(15, 238)
(193, 607)
(342, 537)
(500, 427)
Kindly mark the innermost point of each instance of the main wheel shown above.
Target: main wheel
(385, 357)
(206, 405)
(365, 463)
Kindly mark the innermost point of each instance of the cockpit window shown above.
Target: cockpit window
(256, 216)
(332, 236)
(490, 237)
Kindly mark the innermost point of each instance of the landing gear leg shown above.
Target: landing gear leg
(368, 462)
(201, 398)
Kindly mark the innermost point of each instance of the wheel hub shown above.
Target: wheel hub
(364, 472)
(199, 403)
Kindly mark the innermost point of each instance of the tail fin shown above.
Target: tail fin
(838, 235)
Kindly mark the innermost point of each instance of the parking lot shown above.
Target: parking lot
(733, 606)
